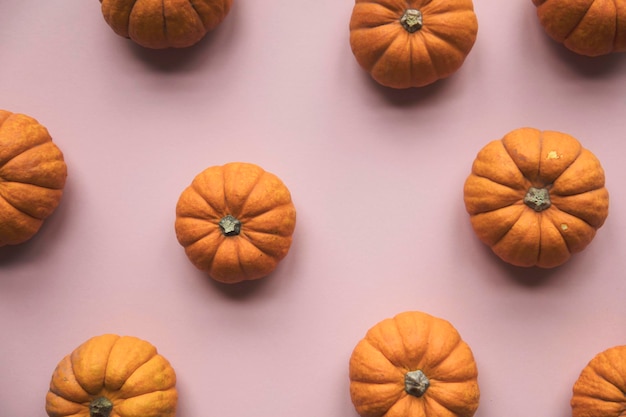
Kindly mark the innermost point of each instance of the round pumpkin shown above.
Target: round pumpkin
(586, 27)
(160, 24)
(113, 376)
(600, 389)
(413, 365)
(235, 221)
(536, 197)
(32, 177)
(412, 43)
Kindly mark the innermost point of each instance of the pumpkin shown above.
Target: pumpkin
(586, 27)
(536, 197)
(113, 376)
(413, 365)
(600, 389)
(412, 43)
(159, 24)
(32, 177)
(235, 221)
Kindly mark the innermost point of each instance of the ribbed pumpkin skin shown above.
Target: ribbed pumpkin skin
(32, 177)
(599, 390)
(262, 204)
(396, 58)
(127, 371)
(586, 27)
(160, 24)
(501, 179)
(408, 342)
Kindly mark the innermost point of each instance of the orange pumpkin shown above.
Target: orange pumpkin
(601, 387)
(32, 177)
(587, 27)
(413, 365)
(535, 197)
(235, 221)
(412, 43)
(160, 24)
(113, 376)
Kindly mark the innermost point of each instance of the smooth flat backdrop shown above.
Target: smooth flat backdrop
(376, 176)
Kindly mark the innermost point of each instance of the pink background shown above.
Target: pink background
(376, 176)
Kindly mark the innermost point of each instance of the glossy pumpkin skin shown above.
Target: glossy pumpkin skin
(32, 177)
(586, 27)
(160, 24)
(599, 390)
(412, 43)
(413, 365)
(235, 222)
(113, 376)
(536, 197)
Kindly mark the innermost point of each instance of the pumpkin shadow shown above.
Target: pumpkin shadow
(240, 290)
(413, 96)
(528, 276)
(15, 254)
(172, 59)
(245, 289)
(535, 276)
(586, 66)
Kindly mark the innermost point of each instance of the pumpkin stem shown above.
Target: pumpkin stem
(412, 20)
(230, 226)
(537, 199)
(416, 383)
(100, 407)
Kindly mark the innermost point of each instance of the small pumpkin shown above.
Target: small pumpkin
(412, 43)
(586, 27)
(600, 389)
(235, 221)
(536, 197)
(113, 376)
(413, 365)
(160, 24)
(32, 177)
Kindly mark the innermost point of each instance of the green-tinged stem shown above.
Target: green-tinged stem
(416, 383)
(412, 20)
(100, 407)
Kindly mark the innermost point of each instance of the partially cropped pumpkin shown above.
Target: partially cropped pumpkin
(413, 365)
(536, 197)
(160, 24)
(587, 27)
(235, 221)
(412, 43)
(113, 376)
(600, 390)
(32, 177)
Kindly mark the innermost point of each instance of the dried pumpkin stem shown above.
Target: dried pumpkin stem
(230, 225)
(412, 20)
(537, 199)
(100, 407)
(416, 383)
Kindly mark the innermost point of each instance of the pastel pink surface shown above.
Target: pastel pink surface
(376, 176)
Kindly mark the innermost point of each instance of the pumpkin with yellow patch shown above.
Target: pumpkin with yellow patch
(413, 365)
(536, 197)
(113, 376)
